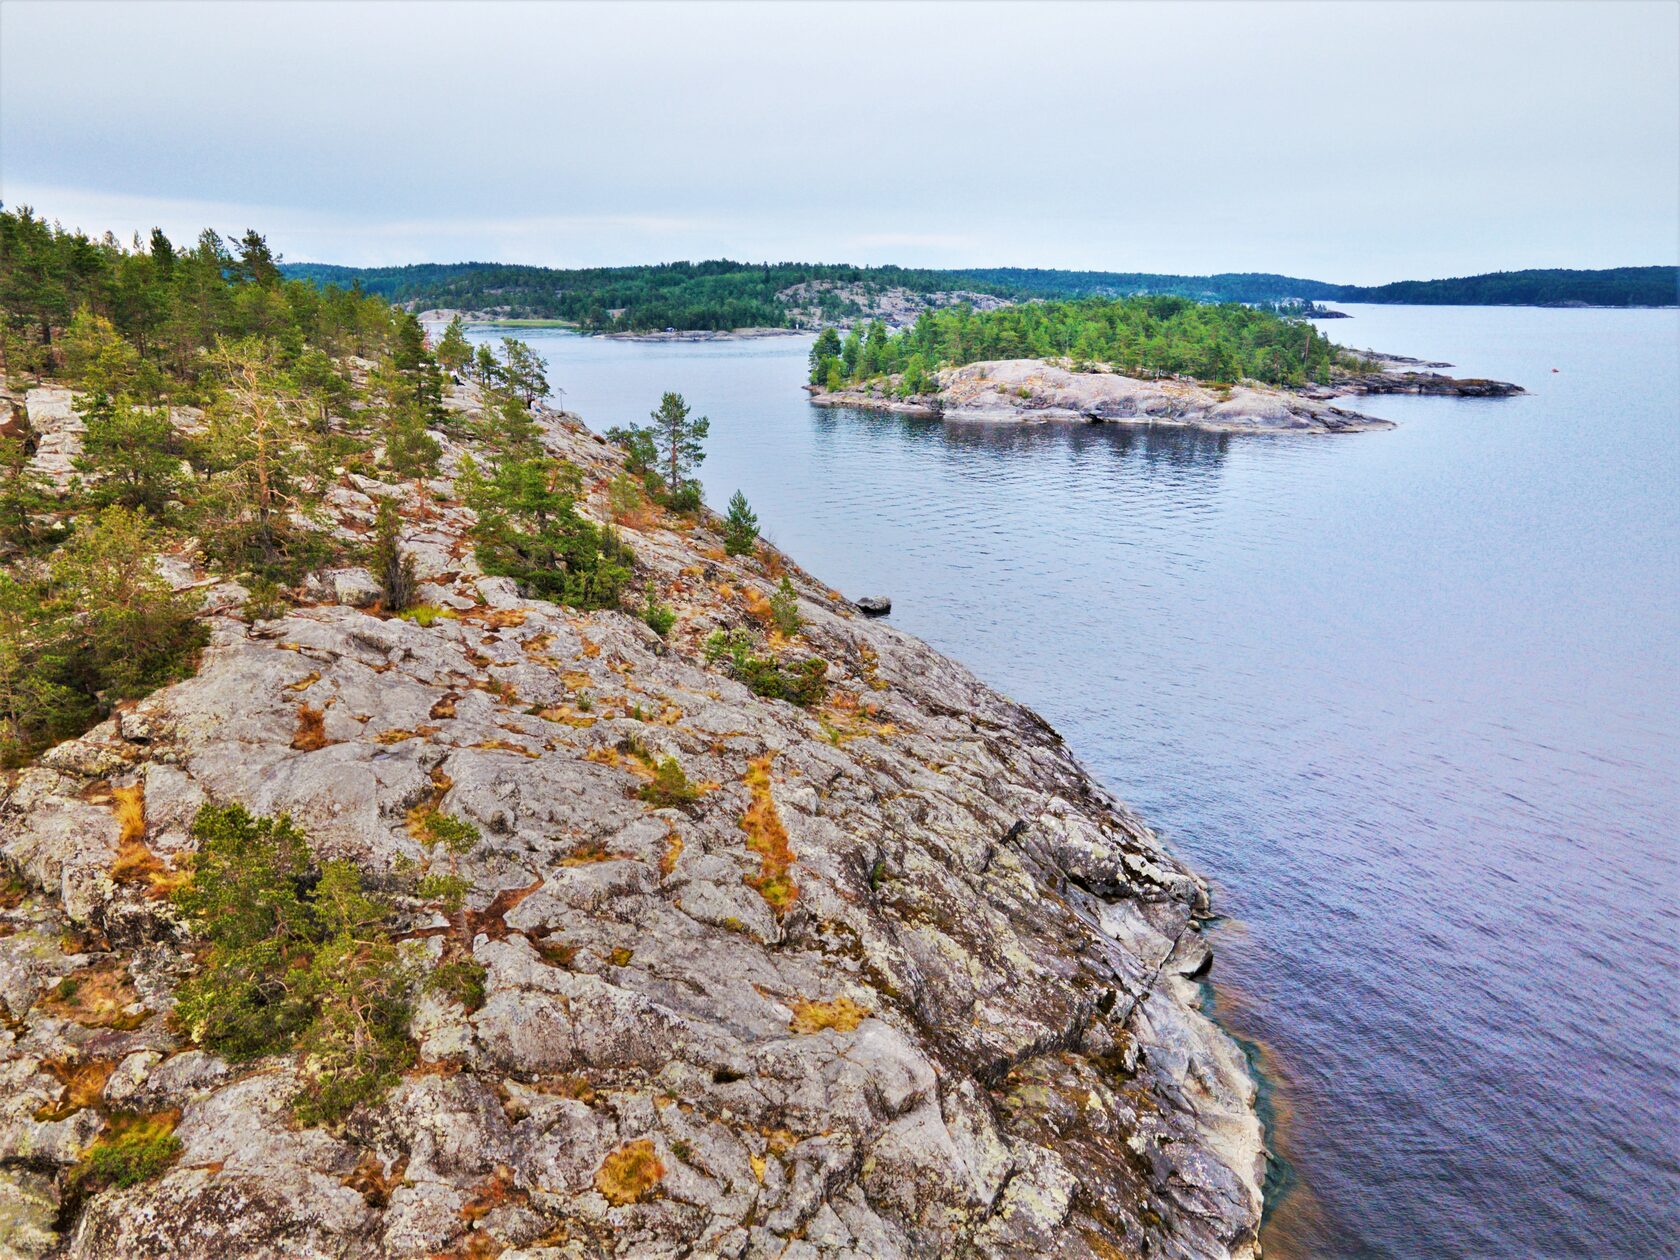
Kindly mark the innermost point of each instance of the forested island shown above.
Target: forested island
(721, 295)
(1136, 359)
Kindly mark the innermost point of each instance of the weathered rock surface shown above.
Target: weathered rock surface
(972, 1032)
(1034, 391)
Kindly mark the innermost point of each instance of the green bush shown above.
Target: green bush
(399, 584)
(659, 617)
(265, 600)
(132, 1149)
(669, 787)
(100, 625)
(298, 956)
(802, 682)
(784, 609)
(529, 529)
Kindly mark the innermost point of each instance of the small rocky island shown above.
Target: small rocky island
(1035, 391)
(1135, 360)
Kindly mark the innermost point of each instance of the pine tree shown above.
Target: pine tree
(679, 439)
(740, 527)
(398, 582)
(453, 350)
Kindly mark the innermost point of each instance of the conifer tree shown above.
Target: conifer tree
(740, 527)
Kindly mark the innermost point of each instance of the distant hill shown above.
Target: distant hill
(722, 294)
(1617, 286)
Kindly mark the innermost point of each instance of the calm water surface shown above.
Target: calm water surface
(1410, 699)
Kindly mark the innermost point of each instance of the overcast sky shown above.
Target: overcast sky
(1345, 142)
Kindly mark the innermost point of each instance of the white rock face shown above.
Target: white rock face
(944, 1043)
(58, 433)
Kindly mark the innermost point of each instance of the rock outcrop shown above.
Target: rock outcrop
(1029, 391)
(971, 1029)
(1034, 391)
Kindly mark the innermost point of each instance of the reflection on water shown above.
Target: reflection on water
(1409, 698)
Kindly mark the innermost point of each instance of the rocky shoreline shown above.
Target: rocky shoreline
(968, 1024)
(1034, 391)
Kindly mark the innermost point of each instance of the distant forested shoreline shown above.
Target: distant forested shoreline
(721, 294)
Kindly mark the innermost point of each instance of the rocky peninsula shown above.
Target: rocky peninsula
(1036, 391)
(892, 977)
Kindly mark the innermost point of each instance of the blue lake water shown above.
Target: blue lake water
(1410, 699)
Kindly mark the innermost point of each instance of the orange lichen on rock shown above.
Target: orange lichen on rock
(768, 838)
(630, 1174)
(842, 1015)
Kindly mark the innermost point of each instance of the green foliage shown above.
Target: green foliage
(130, 453)
(137, 632)
(1137, 336)
(26, 500)
(640, 453)
(453, 350)
(824, 352)
(529, 529)
(131, 1150)
(138, 321)
(266, 600)
(802, 682)
(680, 441)
(456, 835)
(298, 956)
(250, 898)
(659, 616)
(784, 609)
(669, 788)
(460, 978)
(399, 584)
(266, 466)
(740, 527)
(97, 626)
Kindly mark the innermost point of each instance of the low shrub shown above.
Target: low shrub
(669, 788)
(658, 616)
(802, 682)
(299, 956)
(132, 1149)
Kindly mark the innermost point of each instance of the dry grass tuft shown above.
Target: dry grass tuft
(135, 862)
(100, 996)
(81, 1082)
(842, 1015)
(769, 839)
(630, 1174)
(311, 732)
(673, 851)
(371, 1180)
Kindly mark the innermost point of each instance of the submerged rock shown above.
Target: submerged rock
(963, 1023)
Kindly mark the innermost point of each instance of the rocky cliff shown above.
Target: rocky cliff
(965, 1024)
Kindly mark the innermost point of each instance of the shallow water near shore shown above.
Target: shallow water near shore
(1408, 698)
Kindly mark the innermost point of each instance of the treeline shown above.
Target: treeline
(222, 403)
(714, 296)
(1135, 336)
(168, 303)
(1256, 287)
(722, 294)
(1617, 286)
